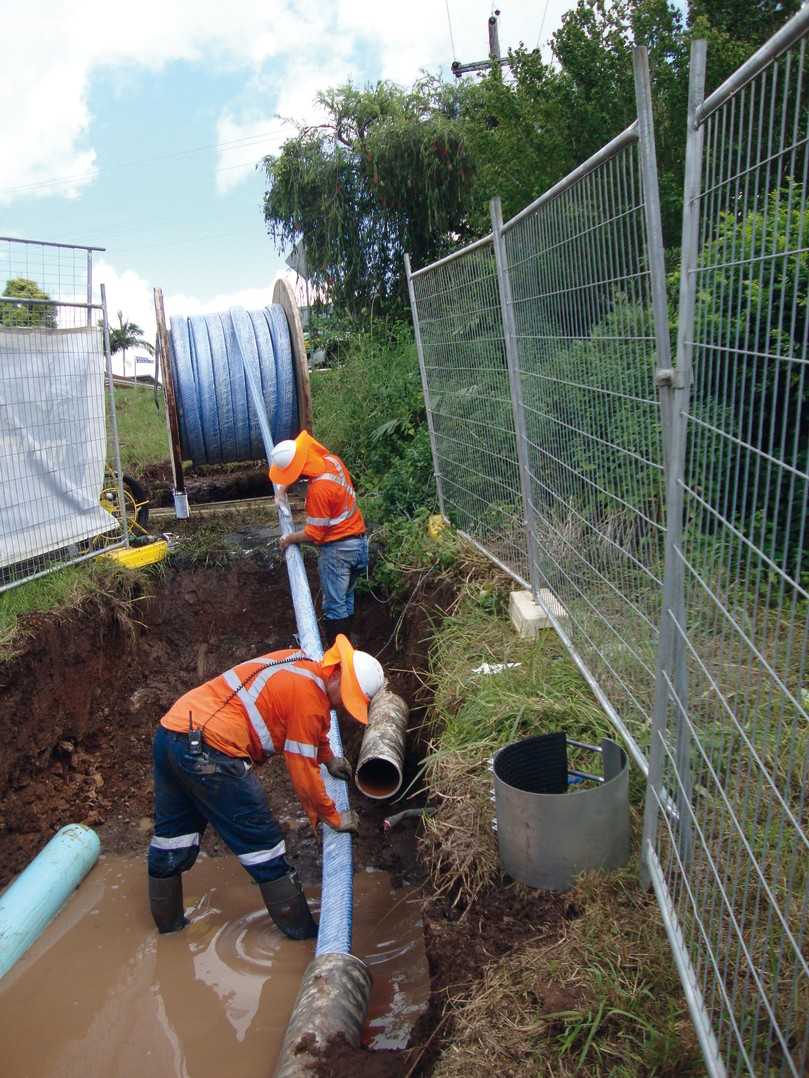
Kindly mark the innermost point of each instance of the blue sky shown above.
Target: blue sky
(156, 113)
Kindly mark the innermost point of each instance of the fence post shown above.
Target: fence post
(671, 682)
(425, 388)
(114, 418)
(89, 288)
(515, 387)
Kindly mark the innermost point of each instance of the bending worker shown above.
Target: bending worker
(204, 751)
(333, 521)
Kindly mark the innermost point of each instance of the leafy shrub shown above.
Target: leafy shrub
(370, 410)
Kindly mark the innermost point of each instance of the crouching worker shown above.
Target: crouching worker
(333, 522)
(204, 751)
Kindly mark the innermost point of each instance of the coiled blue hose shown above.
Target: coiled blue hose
(237, 396)
(218, 419)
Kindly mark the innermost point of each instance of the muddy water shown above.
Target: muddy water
(101, 994)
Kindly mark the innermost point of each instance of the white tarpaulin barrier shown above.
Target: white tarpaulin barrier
(53, 440)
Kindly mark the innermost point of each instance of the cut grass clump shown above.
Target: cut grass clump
(62, 592)
(476, 714)
(604, 999)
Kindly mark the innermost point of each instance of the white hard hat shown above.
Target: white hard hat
(370, 674)
(283, 453)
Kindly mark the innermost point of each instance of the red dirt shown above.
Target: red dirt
(78, 709)
(207, 483)
(341, 1060)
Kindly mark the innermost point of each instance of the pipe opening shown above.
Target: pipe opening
(379, 778)
(535, 765)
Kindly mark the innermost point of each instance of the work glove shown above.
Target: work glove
(349, 821)
(339, 768)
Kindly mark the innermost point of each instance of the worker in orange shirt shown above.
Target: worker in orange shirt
(333, 522)
(204, 751)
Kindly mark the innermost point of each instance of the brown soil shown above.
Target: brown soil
(78, 708)
(207, 483)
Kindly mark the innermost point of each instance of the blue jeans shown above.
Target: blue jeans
(341, 564)
(192, 791)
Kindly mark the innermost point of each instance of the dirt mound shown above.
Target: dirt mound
(79, 708)
(207, 483)
(80, 704)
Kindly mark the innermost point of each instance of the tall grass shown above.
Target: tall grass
(60, 591)
(370, 411)
(141, 428)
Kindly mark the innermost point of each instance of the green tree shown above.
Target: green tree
(127, 335)
(734, 29)
(512, 135)
(388, 172)
(26, 314)
(596, 91)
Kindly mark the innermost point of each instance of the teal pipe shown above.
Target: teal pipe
(29, 904)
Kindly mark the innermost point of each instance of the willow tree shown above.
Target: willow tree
(386, 173)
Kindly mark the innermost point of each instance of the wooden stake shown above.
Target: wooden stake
(284, 295)
(172, 421)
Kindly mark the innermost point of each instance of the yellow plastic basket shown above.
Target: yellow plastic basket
(136, 557)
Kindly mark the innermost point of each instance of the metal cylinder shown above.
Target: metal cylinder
(380, 766)
(547, 838)
(332, 1001)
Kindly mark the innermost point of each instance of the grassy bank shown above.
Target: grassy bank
(58, 594)
(604, 998)
(141, 427)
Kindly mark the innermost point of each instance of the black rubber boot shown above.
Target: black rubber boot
(333, 626)
(286, 904)
(166, 903)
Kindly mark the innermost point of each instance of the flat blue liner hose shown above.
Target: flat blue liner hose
(236, 396)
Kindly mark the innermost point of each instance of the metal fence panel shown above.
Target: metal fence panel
(60, 479)
(581, 285)
(732, 744)
(459, 332)
(666, 507)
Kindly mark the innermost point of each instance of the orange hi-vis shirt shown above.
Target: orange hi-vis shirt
(261, 707)
(331, 505)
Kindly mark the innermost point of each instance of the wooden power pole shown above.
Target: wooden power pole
(459, 69)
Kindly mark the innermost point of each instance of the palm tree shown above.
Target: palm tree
(128, 335)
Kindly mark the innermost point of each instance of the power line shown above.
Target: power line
(542, 23)
(451, 36)
(93, 173)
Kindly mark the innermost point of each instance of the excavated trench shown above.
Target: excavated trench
(78, 707)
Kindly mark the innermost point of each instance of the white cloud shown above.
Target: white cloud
(398, 41)
(132, 294)
(50, 50)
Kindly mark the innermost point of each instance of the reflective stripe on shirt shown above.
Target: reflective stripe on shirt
(301, 748)
(341, 481)
(329, 522)
(249, 695)
(253, 713)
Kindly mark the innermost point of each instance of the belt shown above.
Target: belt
(345, 539)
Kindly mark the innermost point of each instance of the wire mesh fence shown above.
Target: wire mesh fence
(459, 323)
(586, 345)
(61, 496)
(61, 271)
(666, 505)
(733, 743)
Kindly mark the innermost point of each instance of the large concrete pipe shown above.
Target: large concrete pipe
(380, 766)
(29, 904)
(332, 1002)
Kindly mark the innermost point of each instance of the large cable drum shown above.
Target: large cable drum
(216, 416)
